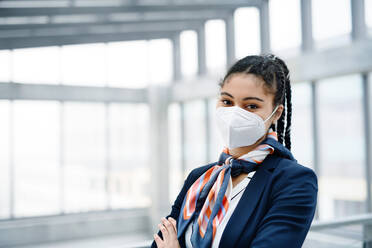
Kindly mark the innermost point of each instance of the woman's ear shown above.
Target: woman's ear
(278, 113)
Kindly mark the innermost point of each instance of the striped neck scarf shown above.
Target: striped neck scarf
(208, 199)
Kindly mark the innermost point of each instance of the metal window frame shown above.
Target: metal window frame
(93, 10)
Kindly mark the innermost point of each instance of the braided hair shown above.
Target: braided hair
(275, 74)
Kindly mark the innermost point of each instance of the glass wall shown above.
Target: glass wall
(83, 65)
(6, 66)
(247, 32)
(129, 174)
(215, 40)
(159, 50)
(189, 53)
(84, 156)
(215, 141)
(68, 157)
(36, 157)
(129, 57)
(285, 33)
(36, 65)
(341, 147)
(368, 13)
(335, 31)
(195, 134)
(4, 159)
(302, 128)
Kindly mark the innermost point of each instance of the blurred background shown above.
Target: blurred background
(107, 105)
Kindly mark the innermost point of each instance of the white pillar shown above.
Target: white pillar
(158, 98)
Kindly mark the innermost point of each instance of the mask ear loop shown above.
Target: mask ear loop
(268, 118)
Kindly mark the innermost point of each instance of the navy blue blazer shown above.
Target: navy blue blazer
(276, 208)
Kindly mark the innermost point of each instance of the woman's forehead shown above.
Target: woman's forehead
(243, 85)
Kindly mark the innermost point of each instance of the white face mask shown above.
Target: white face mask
(239, 127)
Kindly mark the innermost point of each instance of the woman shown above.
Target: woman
(256, 194)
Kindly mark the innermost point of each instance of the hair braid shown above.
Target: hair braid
(280, 130)
(289, 116)
(287, 103)
(281, 121)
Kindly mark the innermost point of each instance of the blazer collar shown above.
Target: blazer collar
(279, 149)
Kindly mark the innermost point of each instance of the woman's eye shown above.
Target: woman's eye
(226, 102)
(252, 106)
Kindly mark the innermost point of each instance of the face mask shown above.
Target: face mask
(239, 127)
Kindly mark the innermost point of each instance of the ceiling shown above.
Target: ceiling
(28, 23)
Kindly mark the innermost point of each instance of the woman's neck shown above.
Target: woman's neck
(239, 151)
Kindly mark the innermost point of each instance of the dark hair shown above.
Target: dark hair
(275, 74)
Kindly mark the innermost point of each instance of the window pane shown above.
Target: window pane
(301, 128)
(36, 158)
(36, 65)
(84, 157)
(5, 62)
(368, 9)
(341, 136)
(160, 61)
(4, 159)
(285, 24)
(175, 174)
(247, 32)
(331, 30)
(215, 39)
(83, 65)
(195, 132)
(189, 53)
(215, 143)
(127, 64)
(129, 155)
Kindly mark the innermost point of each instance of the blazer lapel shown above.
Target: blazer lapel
(246, 205)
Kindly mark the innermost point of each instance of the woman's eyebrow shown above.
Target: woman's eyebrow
(245, 98)
(253, 98)
(227, 94)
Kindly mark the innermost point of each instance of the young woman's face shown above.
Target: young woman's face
(247, 92)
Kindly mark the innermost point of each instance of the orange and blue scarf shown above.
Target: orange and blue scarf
(208, 199)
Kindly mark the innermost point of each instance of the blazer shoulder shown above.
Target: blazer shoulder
(291, 171)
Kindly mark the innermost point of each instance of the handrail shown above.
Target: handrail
(352, 220)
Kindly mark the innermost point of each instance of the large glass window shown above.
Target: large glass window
(341, 141)
(36, 158)
(83, 65)
(247, 32)
(129, 155)
(368, 13)
(215, 142)
(36, 65)
(4, 159)
(189, 53)
(5, 62)
(160, 67)
(331, 29)
(215, 39)
(301, 128)
(127, 64)
(195, 132)
(84, 157)
(285, 25)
